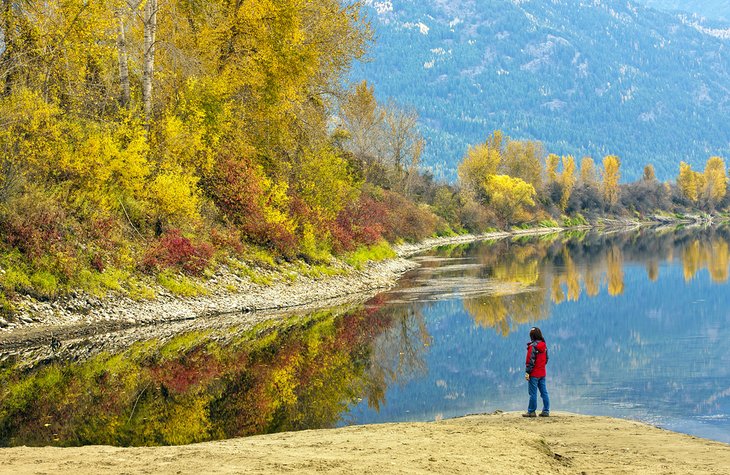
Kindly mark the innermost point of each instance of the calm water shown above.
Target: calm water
(637, 325)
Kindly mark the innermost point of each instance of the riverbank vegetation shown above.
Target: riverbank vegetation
(145, 144)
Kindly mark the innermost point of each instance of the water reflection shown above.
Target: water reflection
(200, 386)
(634, 321)
(512, 279)
(634, 326)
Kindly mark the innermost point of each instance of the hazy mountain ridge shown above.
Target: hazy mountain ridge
(710, 8)
(585, 77)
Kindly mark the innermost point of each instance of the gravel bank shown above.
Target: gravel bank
(82, 315)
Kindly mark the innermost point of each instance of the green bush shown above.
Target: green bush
(548, 223)
(138, 290)
(180, 285)
(99, 283)
(14, 280)
(365, 254)
(45, 284)
(242, 270)
(6, 306)
(577, 220)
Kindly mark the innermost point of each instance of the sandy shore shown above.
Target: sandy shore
(502, 443)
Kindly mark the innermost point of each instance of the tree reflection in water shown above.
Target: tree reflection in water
(554, 269)
(217, 384)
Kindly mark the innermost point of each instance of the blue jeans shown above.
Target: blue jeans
(532, 386)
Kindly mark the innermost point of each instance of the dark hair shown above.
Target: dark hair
(536, 334)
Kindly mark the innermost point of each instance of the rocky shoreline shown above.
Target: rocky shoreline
(81, 315)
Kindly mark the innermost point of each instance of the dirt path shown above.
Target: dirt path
(500, 444)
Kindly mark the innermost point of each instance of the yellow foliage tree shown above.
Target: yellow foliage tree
(588, 172)
(611, 177)
(689, 182)
(522, 159)
(508, 196)
(567, 179)
(649, 174)
(481, 161)
(551, 167)
(362, 119)
(715, 181)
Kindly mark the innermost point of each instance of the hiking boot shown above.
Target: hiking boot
(529, 414)
(545, 414)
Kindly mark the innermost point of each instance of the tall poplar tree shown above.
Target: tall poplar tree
(567, 179)
(611, 177)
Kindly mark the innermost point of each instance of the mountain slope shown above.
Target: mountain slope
(585, 77)
(711, 8)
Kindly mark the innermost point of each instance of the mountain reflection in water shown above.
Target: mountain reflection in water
(635, 329)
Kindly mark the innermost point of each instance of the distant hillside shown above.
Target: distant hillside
(597, 77)
(710, 8)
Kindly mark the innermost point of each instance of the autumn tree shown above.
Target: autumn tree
(715, 181)
(480, 162)
(567, 180)
(362, 118)
(588, 172)
(611, 177)
(649, 174)
(523, 159)
(690, 182)
(551, 168)
(508, 197)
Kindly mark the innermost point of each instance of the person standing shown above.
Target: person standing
(537, 358)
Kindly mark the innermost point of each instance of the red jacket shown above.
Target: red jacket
(537, 358)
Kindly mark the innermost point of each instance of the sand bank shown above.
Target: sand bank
(502, 443)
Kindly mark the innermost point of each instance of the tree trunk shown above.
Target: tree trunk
(6, 66)
(123, 62)
(150, 30)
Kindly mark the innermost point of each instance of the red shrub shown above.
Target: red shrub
(360, 223)
(274, 236)
(406, 220)
(97, 263)
(227, 239)
(174, 250)
(33, 223)
(104, 232)
(382, 214)
(236, 190)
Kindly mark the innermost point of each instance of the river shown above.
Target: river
(637, 324)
